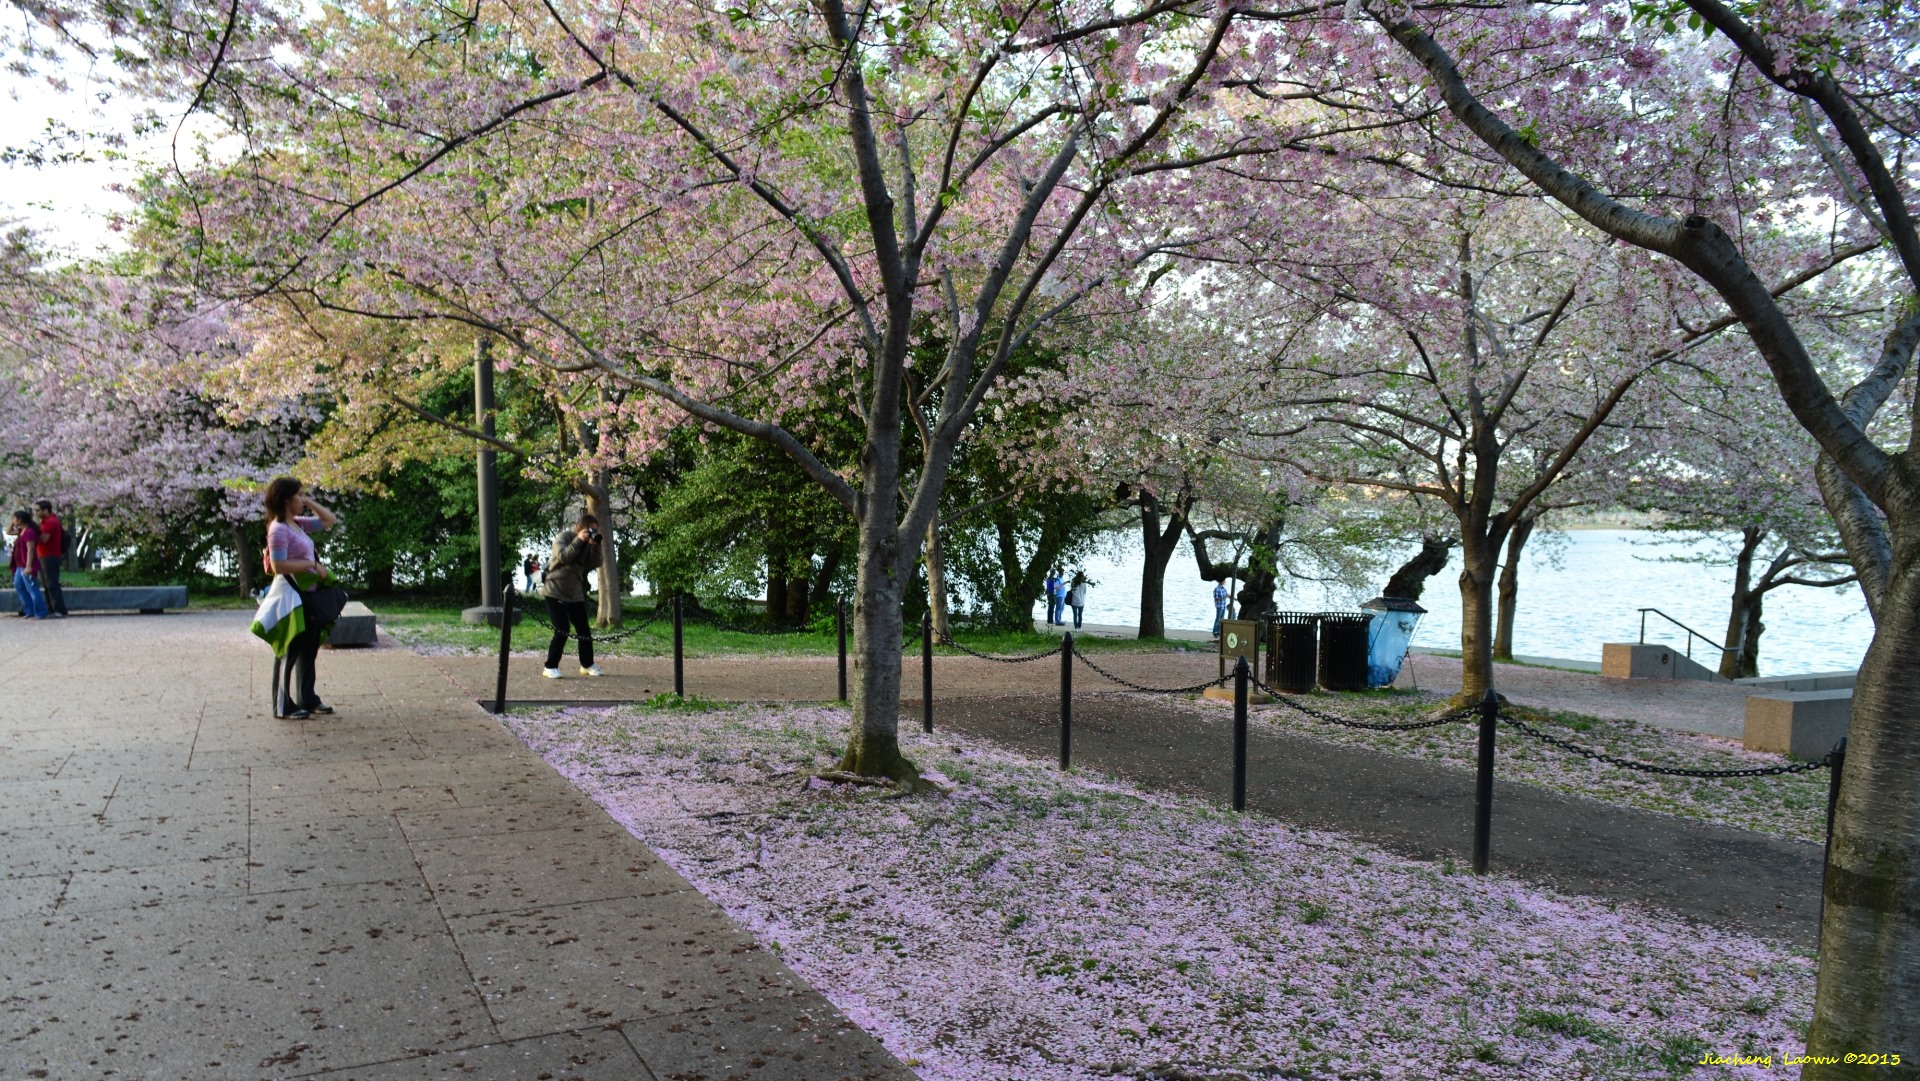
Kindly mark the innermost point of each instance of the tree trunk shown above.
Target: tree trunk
(1410, 580)
(937, 582)
(795, 608)
(823, 581)
(1869, 985)
(1158, 543)
(611, 587)
(243, 558)
(1476, 618)
(1744, 608)
(776, 602)
(1510, 588)
(873, 742)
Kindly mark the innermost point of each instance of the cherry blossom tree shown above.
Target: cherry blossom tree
(732, 214)
(104, 380)
(1840, 83)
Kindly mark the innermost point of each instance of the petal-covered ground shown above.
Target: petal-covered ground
(1033, 925)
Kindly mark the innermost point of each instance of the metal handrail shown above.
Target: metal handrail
(1691, 633)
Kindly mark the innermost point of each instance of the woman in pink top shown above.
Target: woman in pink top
(25, 564)
(291, 517)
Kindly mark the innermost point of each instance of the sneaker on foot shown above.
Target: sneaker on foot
(592, 670)
(550, 673)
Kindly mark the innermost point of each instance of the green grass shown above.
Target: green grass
(416, 621)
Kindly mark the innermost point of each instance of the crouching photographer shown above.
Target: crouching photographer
(575, 552)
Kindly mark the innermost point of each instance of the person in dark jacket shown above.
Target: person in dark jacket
(564, 587)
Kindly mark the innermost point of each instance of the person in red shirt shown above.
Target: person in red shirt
(52, 548)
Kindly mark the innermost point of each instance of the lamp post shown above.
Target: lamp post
(488, 610)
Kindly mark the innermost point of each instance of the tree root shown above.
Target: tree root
(840, 776)
(1463, 700)
(909, 785)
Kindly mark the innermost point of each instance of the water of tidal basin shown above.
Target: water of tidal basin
(1574, 596)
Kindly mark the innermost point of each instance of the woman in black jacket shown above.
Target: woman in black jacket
(575, 552)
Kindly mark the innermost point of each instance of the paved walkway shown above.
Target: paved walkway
(191, 889)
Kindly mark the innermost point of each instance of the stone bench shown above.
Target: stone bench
(355, 627)
(145, 599)
(1804, 724)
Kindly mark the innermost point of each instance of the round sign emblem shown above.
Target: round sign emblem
(1233, 640)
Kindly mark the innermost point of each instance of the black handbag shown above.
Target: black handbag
(323, 605)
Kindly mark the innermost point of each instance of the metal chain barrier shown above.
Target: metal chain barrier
(540, 620)
(947, 640)
(1131, 685)
(1664, 771)
(1395, 726)
(721, 623)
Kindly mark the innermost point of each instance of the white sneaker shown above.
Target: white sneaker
(550, 673)
(592, 670)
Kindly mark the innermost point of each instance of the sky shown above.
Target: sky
(71, 204)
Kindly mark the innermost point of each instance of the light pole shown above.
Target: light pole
(489, 477)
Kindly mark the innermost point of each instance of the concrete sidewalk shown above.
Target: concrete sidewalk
(192, 889)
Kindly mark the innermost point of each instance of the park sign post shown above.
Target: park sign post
(1239, 638)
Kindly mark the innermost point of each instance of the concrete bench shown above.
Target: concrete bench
(1806, 681)
(354, 627)
(1804, 724)
(1648, 660)
(146, 599)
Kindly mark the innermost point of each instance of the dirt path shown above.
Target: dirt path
(1727, 877)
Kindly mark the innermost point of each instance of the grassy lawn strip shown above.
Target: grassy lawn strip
(437, 627)
(1052, 927)
(1792, 806)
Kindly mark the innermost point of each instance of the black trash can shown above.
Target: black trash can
(1291, 651)
(1343, 651)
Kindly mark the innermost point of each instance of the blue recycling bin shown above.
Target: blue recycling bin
(1389, 636)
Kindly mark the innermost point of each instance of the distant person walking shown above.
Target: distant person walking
(530, 568)
(52, 549)
(1077, 596)
(25, 564)
(575, 552)
(1052, 587)
(292, 519)
(1220, 597)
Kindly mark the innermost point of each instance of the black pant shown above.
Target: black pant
(561, 614)
(50, 584)
(296, 689)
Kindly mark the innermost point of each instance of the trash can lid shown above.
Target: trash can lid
(1392, 604)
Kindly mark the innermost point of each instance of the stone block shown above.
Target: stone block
(355, 627)
(111, 598)
(1648, 660)
(1804, 724)
(1806, 681)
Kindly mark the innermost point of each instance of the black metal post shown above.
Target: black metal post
(1836, 761)
(506, 646)
(1483, 784)
(1066, 701)
(1240, 734)
(840, 626)
(926, 671)
(679, 653)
